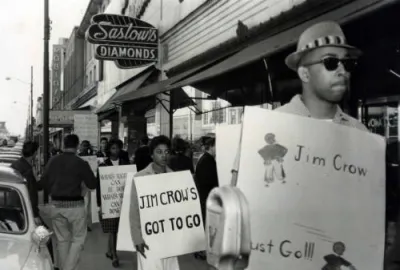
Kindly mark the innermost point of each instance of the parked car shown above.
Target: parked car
(22, 243)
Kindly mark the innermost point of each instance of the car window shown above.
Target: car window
(12, 214)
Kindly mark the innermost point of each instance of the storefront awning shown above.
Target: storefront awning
(279, 41)
(127, 88)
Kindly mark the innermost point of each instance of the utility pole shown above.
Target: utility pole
(46, 88)
(31, 113)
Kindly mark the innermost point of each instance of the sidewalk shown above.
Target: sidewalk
(96, 245)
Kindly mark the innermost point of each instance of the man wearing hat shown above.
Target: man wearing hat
(323, 61)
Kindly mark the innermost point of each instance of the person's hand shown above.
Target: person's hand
(38, 221)
(141, 248)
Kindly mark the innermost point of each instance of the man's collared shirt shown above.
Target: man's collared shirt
(296, 106)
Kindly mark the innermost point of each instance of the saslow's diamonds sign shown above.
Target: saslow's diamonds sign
(127, 41)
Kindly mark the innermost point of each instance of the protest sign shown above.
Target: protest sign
(92, 160)
(225, 158)
(316, 192)
(124, 238)
(94, 209)
(86, 126)
(170, 214)
(112, 184)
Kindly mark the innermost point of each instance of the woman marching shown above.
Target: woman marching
(110, 225)
(159, 150)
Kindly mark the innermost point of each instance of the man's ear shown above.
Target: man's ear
(304, 74)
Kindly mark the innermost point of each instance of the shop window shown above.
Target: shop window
(240, 113)
(101, 70)
(151, 120)
(205, 118)
(233, 116)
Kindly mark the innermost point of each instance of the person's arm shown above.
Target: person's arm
(88, 176)
(45, 178)
(98, 191)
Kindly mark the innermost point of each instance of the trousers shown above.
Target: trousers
(70, 229)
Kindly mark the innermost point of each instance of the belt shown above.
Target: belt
(68, 204)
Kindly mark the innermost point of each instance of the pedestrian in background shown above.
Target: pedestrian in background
(103, 151)
(24, 166)
(142, 154)
(63, 179)
(85, 149)
(178, 160)
(160, 150)
(110, 225)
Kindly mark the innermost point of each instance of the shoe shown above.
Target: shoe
(89, 229)
(109, 256)
(115, 262)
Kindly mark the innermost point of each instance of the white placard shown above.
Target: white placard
(226, 149)
(112, 185)
(124, 238)
(86, 126)
(316, 192)
(170, 214)
(92, 160)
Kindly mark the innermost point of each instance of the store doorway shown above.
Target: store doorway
(381, 117)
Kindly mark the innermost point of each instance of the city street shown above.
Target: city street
(94, 255)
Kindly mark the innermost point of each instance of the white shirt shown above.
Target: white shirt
(115, 162)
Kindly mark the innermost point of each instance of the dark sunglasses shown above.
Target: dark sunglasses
(332, 63)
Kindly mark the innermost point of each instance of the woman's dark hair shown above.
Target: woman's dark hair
(86, 142)
(29, 148)
(209, 143)
(114, 142)
(179, 145)
(71, 141)
(156, 141)
(104, 139)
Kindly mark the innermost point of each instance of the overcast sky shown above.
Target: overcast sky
(21, 26)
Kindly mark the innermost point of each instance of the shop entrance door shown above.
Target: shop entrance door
(381, 117)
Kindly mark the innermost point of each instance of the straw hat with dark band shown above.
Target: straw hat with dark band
(323, 34)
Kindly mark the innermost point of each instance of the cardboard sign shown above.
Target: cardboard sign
(316, 191)
(128, 41)
(112, 185)
(231, 135)
(92, 160)
(86, 126)
(170, 214)
(124, 238)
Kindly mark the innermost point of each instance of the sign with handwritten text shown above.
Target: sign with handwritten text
(112, 185)
(316, 192)
(170, 212)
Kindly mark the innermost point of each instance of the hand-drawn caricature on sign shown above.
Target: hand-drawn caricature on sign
(112, 185)
(316, 192)
(128, 41)
(170, 213)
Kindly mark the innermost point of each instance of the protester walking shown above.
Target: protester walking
(160, 150)
(324, 62)
(142, 154)
(110, 225)
(63, 179)
(179, 161)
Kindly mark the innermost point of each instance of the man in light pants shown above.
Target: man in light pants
(63, 179)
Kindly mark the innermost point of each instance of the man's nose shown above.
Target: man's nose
(341, 70)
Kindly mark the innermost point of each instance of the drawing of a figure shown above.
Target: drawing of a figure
(273, 154)
(335, 261)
